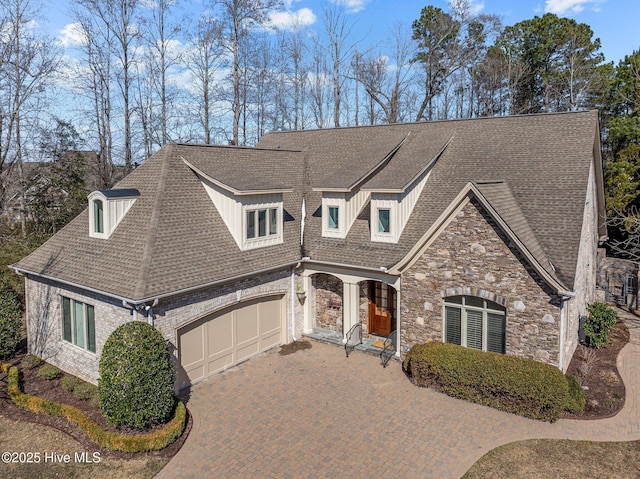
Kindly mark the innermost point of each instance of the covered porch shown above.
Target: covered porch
(339, 299)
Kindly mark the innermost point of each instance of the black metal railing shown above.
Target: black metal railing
(389, 349)
(354, 337)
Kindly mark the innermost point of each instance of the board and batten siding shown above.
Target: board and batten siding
(401, 206)
(232, 211)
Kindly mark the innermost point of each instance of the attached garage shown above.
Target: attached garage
(228, 337)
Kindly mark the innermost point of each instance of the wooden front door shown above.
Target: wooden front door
(382, 305)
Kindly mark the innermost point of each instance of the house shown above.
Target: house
(480, 232)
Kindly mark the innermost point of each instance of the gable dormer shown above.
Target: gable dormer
(252, 208)
(107, 208)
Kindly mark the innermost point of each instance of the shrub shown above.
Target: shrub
(153, 441)
(599, 323)
(10, 320)
(84, 391)
(575, 399)
(136, 377)
(69, 383)
(30, 361)
(520, 386)
(49, 371)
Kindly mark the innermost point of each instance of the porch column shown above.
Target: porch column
(350, 307)
(309, 304)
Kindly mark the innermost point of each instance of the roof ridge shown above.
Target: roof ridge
(147, 254)
(439, 121)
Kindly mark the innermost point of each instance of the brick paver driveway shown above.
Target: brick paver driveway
(317, 414)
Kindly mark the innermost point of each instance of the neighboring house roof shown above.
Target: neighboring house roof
(530, 172)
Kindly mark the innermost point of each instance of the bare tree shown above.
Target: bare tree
(387, 79)
(159, 33)
(115, 19)
(204, 61)
(338, 31)
(28, 63)
(238, 16)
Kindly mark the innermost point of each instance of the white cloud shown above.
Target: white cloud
(71, 35)
(292, 20)
(561, 7)
(352, 6)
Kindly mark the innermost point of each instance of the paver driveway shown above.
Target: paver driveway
(317, 414)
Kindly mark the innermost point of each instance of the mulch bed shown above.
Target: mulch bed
(52, 390)
(596, 369)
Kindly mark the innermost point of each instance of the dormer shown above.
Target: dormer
(250, 205)
(107, 208)
(343, 197)
(395, 190)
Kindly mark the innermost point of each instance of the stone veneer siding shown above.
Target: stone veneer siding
(44, 318)
(472, 256)
(328, 301)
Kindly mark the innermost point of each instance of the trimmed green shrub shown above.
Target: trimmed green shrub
(520, 386)
(576, 400)
(136, 377)
(84, 391)
(599, 323)
(49, 371)
(153, 441)
(69, 382)
(30, 361)
(10, 320)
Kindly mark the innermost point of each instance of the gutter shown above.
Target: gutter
(158, 297)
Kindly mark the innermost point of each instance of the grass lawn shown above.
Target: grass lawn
(20, 436)
(559, 459)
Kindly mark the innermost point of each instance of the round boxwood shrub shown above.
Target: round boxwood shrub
(10, 320)
(49, 371)
(136, 377)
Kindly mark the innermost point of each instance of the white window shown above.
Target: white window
(262, 223)
(78, 324)
(475, 323)
(98, 216)
(333, 218)
(384, 220)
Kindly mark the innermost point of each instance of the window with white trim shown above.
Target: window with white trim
(333, 217)
(475, 323)
(98, 216)
(262, 223)
(78, 324)
(384, 220)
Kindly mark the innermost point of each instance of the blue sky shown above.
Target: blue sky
(615, 22)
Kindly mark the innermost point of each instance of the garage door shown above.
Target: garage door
(227, 337)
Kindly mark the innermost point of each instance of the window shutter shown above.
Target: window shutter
(474, 329)
(66, 319)
(496, 333)
(91, 329)
(452, 325)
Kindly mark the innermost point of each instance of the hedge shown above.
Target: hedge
(520, 386)
(151, 441)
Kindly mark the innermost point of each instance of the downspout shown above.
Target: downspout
(562, 329)
(293, 303)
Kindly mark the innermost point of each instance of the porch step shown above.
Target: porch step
(333, 337)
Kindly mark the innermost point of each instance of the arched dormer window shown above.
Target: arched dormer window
(107, 208)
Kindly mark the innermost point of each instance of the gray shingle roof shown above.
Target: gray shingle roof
(535, 171)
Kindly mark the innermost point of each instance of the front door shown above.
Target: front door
(382, 302)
